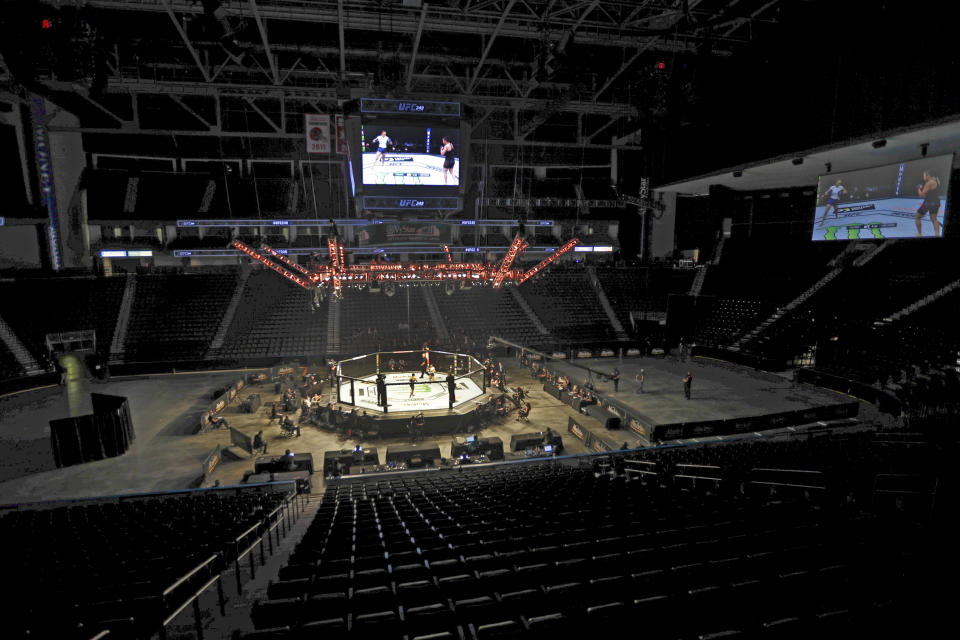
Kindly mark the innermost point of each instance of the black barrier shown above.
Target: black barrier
(407, 452)
(219, 404)
(241, 440)
(106, 433)
(210, 463)
(733, 426)
(607, 419)
(252, 403)
(578, 430)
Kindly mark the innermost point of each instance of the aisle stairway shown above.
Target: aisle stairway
(19, 351)
(440, 327)
(527, 310)
(123, 320)
(333, 324)
(231, 311)
(605, 303)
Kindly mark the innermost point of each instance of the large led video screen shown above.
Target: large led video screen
(904, 200)
(410, 155)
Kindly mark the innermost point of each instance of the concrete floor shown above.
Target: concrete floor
(166, 454)
(720, 390)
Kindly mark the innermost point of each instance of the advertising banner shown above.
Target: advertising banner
(317, 132)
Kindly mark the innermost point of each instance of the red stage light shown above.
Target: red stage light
(661, 65)
(46, 24)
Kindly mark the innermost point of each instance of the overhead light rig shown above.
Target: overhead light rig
(335, 274)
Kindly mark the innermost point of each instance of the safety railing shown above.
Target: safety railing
(248, 548)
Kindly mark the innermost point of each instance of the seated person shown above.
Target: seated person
(258, 443)
(287, 424)
(524, 412)
(216, 421)
(358, 454)
(288, 464)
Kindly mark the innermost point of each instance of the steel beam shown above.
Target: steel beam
(416, 44)
(186, 40)
(486, 50)
(343, 56)
(266, 43)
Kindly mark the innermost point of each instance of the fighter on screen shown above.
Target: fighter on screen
(930, 192)
(382, 141)
(448, 160)
(833, 194)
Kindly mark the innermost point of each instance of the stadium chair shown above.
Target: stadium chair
(288, 588)
(442, 568)
(374, 624)
(497, 630)
(323, 606)
(419, 592)
(550, 625)
(277, 633)
(461, 586)
(409, 572)
(429, 618)
(476, 611)
(267, 614)
(330, 583)
(370, 578)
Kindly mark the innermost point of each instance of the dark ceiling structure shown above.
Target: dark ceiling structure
(527, 71)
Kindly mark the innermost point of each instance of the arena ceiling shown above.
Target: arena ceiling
(527, 71)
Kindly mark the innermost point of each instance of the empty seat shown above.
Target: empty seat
(268, 614)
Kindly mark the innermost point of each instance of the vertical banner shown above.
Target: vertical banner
(317, 130)
(341, 134)
(41, 146)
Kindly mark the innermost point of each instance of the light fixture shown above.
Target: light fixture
(879, 144)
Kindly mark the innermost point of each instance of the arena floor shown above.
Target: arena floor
(719, 391)
(427, 396)
(166, 454)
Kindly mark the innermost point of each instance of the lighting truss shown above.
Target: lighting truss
(336, 273)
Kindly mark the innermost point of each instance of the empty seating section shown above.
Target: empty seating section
(473, 315)
(548, 549)
(727, 320)
(34, 308)
(82, 568)
(565, 301)
(275, 319)
(848, 306)
(174, 317)
(642, 290)
(773, 271)
(372, 321)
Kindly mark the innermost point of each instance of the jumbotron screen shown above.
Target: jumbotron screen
(410, 155)
(904, 200)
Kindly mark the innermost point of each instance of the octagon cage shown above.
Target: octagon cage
(408, 385)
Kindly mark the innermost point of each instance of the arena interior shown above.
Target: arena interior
(470, 319)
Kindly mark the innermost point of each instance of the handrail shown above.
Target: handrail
(786, 484)
(190, 600)
(787, 470)
(148, 494)
(247, 532)
(101, 635)
(189, 574)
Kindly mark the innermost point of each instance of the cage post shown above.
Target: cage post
(353, 399)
